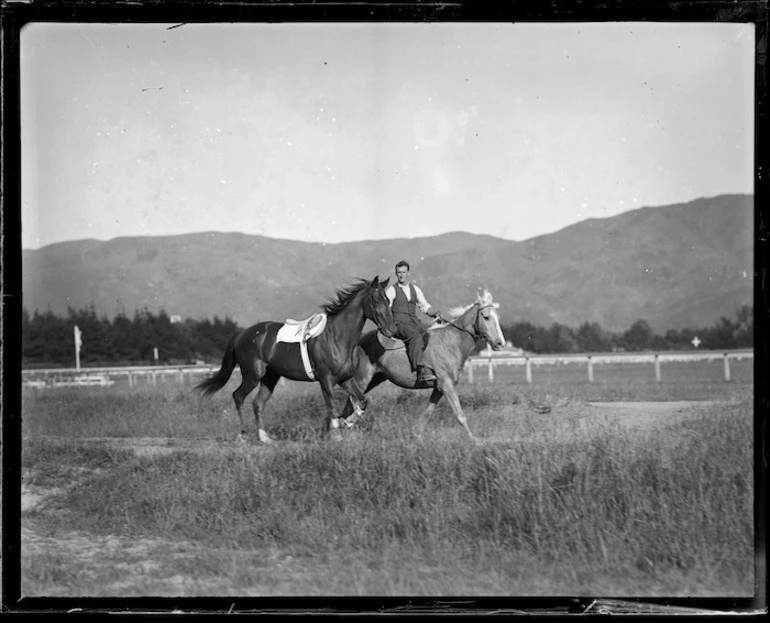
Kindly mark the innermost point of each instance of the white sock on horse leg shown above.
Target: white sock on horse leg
(264, 437)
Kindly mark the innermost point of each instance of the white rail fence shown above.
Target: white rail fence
(528, 362)
(107, 376)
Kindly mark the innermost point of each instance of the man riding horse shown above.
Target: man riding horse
(404, 298)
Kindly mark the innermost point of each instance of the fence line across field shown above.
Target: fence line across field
(105, 376)
(591, 359)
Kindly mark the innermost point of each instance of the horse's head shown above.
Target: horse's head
(488, 322)
(377, 308)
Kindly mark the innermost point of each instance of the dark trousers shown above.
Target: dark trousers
(416, 337)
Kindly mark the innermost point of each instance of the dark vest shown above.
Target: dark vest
(403, 309)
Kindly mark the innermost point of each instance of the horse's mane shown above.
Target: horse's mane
(456, 312)
(343, 295)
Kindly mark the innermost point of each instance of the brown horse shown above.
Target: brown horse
(450, 344)
(264, 360)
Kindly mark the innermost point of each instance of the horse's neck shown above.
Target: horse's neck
(347, 324)
(463, 326)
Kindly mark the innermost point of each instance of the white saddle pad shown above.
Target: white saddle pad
(294, 331)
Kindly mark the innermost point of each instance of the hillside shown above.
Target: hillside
(675, 266)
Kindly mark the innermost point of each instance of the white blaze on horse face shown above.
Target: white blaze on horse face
(498, 328)
(486, 300)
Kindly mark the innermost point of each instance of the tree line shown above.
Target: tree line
(48, 339)
(590, 337)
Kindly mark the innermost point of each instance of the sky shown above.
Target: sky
(326, 132)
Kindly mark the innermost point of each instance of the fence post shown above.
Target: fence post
(154, 378)
(590, 369)
(727, 366)
(657, 368)
(491, 371)
(470, 372)
(528, 368)
(130, 379)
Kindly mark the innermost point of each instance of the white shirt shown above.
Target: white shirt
(422, 303)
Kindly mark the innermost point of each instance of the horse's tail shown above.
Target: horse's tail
(217, 381)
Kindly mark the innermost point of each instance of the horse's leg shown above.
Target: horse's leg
(446, 385)
(269, 381)
(332, 422)
(356, 400)
(435, 396)
(248, 382)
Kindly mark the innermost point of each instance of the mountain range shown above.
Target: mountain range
(676, 266)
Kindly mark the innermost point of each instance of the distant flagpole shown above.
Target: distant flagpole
(78, 344)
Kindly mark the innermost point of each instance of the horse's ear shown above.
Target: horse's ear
(384, 284)
(375, 281)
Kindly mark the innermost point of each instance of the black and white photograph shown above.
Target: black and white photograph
(385, 309)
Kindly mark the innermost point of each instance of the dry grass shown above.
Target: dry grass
(572, 502)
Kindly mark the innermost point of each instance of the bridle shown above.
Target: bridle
(476, 333)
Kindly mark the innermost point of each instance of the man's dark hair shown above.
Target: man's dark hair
(403, 263)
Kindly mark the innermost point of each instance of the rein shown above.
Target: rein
(476, 333)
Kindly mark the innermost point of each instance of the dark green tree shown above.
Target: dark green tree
(591, 338)
(638, 336)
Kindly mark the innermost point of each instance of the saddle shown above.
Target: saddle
(294, 331)
(300, 331)
(390, 343)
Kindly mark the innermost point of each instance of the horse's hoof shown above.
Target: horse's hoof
(242, 438)
(265, 438)
(335, 434)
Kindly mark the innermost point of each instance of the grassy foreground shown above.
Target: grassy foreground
(407, 506)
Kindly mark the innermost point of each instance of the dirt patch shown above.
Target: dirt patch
(648, 414)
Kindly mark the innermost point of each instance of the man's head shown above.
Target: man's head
(402, 272)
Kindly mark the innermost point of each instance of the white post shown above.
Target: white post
(590, 369)
(491, 371)
(657, 368)
(470, 371)
(528, 366)
(78, 344)
(155, 354)
(727, 367)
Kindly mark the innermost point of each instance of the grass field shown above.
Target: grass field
(137, 491)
